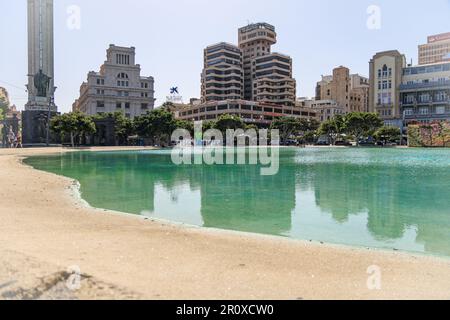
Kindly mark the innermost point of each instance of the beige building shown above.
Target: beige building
(437, 49)
(349, 91)
(223, 75)
(118, 86)
(386, 69)
(273, 81)
(255, 40)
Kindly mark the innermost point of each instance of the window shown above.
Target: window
(144, 106)
(409, 112)
(127, 105)
(100, 104)
(385, 71)
(118, 105)
(423, 110)
(440, 110)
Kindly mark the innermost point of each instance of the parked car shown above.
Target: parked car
(367, 142)
(343, 144)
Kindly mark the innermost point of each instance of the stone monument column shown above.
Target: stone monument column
(40, 72)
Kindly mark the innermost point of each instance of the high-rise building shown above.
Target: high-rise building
(273, 81)
(248, 81)
(255, 40)
(222, 76)
(118, 86)
(386, 69)
(436, 50)
(425, 93)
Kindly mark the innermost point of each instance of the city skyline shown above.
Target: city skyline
(170, 47)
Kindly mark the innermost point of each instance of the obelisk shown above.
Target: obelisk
(40, 85)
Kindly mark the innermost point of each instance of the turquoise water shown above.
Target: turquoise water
(380, 198)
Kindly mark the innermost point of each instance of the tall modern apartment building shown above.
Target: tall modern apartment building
(118, 86)
(250, 72)
(247, 80)
(223, 75)
(436, 50)
(273, 81)
(255, 40)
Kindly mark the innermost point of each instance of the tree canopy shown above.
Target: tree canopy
(75, 124)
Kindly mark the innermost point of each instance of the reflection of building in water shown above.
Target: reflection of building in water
(344, 190)
(239, 198)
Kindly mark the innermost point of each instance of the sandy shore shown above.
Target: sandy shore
(45, 231)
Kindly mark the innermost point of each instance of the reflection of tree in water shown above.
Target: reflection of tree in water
(396, 198)
(238, 197)
(129, 178)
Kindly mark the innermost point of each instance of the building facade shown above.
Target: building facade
(250, 112)
(349, 91)
(327, 109)
(247, 80)
(425, 93)
(118, 86)
(273, 80)
(436, 50)
(223, 74)
(255, 40)
(386, 71)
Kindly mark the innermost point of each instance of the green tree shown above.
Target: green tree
(227, 121)
(333, 128)
(388, 134)
(123, 127)
(187, 125)
(4, 106)
(287, 126)
(360, 125)
(207, 125)
(156, 125)
(75, 124)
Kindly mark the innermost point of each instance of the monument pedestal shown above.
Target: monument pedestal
(34, 128)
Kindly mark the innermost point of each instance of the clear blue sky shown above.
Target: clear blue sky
(170, 36)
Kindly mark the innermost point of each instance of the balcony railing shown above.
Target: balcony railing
(426, 85)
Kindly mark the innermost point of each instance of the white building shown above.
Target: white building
(118, 86)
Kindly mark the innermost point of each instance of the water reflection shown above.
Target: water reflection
(374, 198)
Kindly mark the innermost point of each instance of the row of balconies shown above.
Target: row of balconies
(426, 85)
